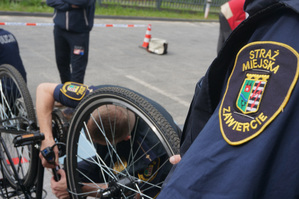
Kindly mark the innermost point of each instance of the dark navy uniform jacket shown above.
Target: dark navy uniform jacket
(78, 20)
(241, 136)
(9, 52)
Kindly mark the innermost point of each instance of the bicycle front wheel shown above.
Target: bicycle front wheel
(16, 112)
(123, 166)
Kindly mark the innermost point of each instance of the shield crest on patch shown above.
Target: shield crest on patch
(251, 93)
(74, 90)
(258, 89)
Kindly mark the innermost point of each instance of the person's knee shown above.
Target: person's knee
(41, 87)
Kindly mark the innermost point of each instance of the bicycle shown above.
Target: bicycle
(136, 168)
(17, 114)
(22, 172)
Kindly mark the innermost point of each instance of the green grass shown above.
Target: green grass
(151, 12)
(39, 6)
(25, 6)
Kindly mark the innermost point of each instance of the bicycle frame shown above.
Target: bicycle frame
(24, 138)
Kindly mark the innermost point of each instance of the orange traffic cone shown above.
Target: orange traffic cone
(147, 36)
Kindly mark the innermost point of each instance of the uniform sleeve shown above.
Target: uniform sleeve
(59, 96)
(80, 3)
(59, 5)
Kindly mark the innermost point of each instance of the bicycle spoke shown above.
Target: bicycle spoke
(90, 141)
(140, 144)
(145, 153)
(102, 130)
(132, 141)
(103, 166)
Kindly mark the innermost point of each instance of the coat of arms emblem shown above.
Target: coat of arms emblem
(251, 93)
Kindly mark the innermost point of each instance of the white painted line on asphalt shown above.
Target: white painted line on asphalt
(158, 90)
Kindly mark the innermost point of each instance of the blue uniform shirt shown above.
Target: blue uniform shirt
(243, 121)
(9, 52)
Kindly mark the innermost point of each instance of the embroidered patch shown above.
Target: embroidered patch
(150, 172)
(74, 91)
(119, 166)
(258, 89)
(78, 50)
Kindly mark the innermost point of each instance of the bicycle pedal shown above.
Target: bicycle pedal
(27, 139)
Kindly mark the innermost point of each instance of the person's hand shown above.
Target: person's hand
(175, 159)
(48, 143)
(59, 188)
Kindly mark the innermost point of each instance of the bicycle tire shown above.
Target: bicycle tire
(161, 137)
(16, 113)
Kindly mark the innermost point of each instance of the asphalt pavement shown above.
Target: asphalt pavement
(116, 58)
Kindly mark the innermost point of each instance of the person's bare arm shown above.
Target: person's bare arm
(44, 107)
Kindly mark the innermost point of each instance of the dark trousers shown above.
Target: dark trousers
(71, 51)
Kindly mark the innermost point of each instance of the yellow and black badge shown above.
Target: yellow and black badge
(73, 90)
(150, 172)
(258, 89)
(119, 166)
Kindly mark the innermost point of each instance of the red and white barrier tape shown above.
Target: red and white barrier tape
(52, 24)
(120, 25)
(25, 24)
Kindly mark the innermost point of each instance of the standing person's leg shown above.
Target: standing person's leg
(79, 56)
(62, 53)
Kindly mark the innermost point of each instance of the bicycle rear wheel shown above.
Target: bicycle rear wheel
(16, 112)
(119, 169)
